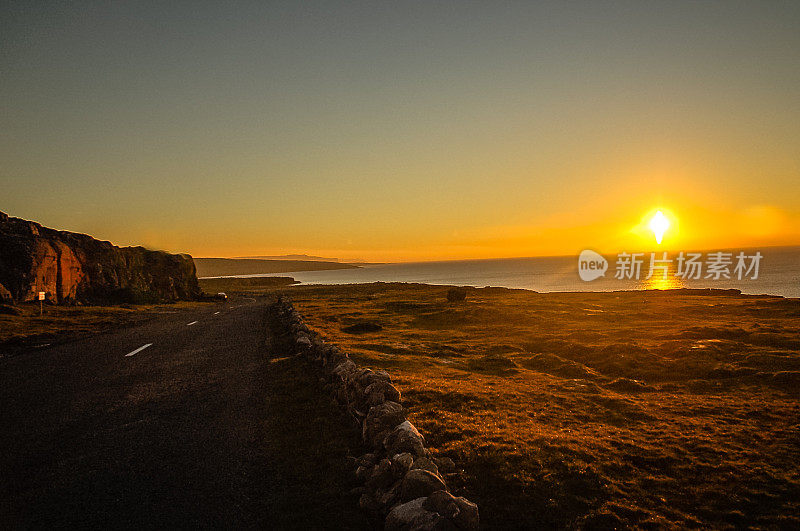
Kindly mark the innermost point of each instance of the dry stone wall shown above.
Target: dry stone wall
(404, 487)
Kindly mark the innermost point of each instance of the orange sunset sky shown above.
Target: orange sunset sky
(404, 131)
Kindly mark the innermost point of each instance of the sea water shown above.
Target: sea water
(778, 274)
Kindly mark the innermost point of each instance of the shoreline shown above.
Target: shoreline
(294, 283)
(779, 274)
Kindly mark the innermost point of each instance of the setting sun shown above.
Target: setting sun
(659, 225)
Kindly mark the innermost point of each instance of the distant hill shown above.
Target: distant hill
(299, 257)
(220, 267)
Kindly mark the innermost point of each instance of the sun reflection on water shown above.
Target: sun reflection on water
(661, 277)
(658, 281)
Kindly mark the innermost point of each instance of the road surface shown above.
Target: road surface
(166, 424)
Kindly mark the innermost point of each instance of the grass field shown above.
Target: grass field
(592, 410)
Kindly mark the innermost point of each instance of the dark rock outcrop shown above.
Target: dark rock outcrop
(73, 267)
(456, 295)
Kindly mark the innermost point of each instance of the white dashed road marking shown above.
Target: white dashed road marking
(138, 350)
(216, 313)
(193, 322)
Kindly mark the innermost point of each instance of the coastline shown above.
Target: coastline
(779, 275)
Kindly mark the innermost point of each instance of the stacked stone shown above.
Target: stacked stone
(403, 485)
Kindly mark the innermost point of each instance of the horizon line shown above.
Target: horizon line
(372, 262)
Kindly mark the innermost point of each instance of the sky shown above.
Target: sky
(393, 131)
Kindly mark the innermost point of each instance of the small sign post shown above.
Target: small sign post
(41, 304)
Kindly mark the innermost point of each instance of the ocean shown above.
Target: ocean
(778, 273)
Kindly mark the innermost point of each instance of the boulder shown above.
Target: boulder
(368, 377)
(390, 496)
(334, 357)
(380, 421)
(424, 463)
(344, 370)
(404, 438)
(356, 384)
(419, 483)
(379, 392)
(381, 476)
(303, 341)
(412, 516)
(456, 295)
(401, 463)
(460, 511)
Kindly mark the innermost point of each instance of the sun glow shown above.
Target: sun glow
(659, 225)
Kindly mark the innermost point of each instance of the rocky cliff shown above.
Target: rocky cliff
(73, 267)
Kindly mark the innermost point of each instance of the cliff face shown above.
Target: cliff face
(75, 267)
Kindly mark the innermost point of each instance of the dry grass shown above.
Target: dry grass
(592, 410)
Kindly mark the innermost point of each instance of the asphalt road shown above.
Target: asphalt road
(157, 425)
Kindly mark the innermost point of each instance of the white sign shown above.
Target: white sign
(41, 295)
